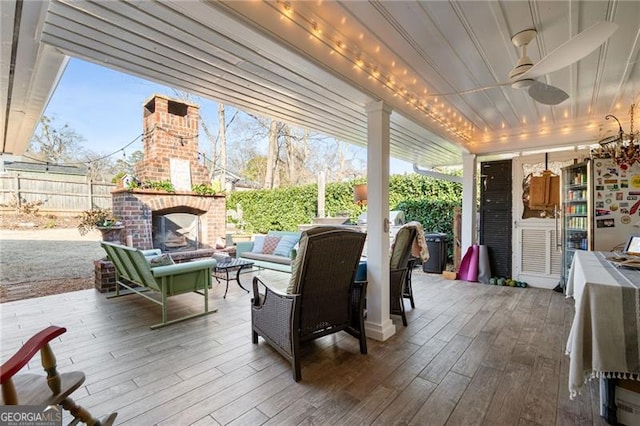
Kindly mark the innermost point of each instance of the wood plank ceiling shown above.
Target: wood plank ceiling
(318, 64)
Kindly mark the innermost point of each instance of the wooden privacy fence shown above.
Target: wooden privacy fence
(60, 194)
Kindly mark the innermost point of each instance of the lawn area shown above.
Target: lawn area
(36, 262)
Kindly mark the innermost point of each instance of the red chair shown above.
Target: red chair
(52, 389)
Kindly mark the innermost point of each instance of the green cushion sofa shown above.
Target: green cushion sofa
(277, 262)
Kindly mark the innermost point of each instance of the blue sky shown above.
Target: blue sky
(105, 107)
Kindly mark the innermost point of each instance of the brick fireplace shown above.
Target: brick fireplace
(170, 221)
(137, 210)
(182, 222)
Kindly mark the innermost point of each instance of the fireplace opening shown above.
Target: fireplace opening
(176, 231)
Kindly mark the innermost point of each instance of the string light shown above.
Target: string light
(337, 44)
(288, 9)
(375, 72)
(317, 29)
(88, 163)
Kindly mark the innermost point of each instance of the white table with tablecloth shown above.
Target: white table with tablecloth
(604, 336)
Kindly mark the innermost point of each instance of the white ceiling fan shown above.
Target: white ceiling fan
(524, 74)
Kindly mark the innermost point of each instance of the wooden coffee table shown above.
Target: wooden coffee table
(225, 268)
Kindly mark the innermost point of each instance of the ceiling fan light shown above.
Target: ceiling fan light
(522, 84)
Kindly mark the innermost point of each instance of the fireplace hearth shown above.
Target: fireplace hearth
(176, 231)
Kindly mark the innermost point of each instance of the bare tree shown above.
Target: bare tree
(297, 153)
(212, 142)
(62, 145)
(222, 133)
(336, 158)
(127, 164)
(272, 156)
(56, 144)
(288, 159)
(100, 168)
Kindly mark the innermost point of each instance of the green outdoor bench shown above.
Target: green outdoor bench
(134, 271)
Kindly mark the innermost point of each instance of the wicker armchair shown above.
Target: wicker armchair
(322, 297)
(399, 265)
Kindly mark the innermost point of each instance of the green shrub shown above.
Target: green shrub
(203, 189)
(429, 201)
(158, 185)
(50, 224)
(436, 216)
(94, 218)
(118, 177)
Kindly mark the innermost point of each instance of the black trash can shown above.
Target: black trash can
(437, 245)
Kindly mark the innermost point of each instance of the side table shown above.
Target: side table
(225, 268)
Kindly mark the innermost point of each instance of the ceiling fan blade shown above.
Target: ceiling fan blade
(466, 92)
(572, 50)
(545, 94)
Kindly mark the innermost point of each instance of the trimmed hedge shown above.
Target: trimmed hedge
(424, 199)
(279, 209)
(436, 216)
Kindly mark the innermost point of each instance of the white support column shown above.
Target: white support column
(378, 325)
(468, 237)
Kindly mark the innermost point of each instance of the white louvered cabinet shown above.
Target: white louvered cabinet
(538, 253)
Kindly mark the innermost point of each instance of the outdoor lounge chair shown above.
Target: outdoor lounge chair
(322, 297)
(399, 265)
(48, 391)
(134, 272)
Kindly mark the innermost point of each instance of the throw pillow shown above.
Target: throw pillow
(258, 244)
(294, 250)
(270, 244)
(285, 245)
(162, 260)
(219, 243)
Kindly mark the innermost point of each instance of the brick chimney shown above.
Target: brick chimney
(171, 143)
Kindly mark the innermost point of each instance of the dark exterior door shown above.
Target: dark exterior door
(495, 215)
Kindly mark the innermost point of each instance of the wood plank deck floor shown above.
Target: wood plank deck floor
(472, 354)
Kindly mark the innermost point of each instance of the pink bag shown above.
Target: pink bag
(469, 265)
